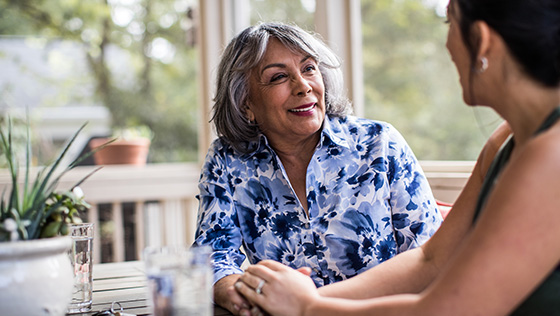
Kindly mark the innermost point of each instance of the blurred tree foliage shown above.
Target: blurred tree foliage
(158, 39)
(409, 78)
(288, 11)
(411, 82)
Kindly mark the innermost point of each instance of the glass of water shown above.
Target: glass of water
(179, 280)
(82, 263)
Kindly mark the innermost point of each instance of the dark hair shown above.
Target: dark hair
(530, 29)
(245, 52)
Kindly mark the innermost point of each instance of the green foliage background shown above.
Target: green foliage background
(412, 83)
(163, 94)
(409, 78)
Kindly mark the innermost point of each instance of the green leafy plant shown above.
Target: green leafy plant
(35, 210)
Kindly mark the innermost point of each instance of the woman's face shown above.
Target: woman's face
(458, 50)
(286, 95)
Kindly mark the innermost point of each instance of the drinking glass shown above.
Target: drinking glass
(179, 280)
(82, 262)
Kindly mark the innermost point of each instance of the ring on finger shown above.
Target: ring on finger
(259, 287)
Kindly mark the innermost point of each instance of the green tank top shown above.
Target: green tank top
(545, 300)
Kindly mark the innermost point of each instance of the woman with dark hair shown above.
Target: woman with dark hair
(498, 251)
(293, 178)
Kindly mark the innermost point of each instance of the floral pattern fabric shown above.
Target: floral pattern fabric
(367, 197)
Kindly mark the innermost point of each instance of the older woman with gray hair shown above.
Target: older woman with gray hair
(293, 177)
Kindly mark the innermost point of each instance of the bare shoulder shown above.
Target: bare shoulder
(517, 229)
(491, 148)
(527, 193)
(534, 169)
(500, 134)
(459, 221)
(534, 173)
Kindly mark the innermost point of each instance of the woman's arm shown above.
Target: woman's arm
(218, 227)
(511, 249)
(408, 272)
(515, 242)
(413, 270)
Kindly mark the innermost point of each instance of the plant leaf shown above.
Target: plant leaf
(47, 186)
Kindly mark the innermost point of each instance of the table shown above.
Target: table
(124, 282)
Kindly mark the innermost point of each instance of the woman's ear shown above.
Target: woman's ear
(250, 115)
(482, 34)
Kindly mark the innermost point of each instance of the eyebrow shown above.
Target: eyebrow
(279, 65)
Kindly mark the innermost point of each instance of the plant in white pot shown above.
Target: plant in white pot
(35, 273)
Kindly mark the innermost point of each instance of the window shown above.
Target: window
(130, 62)
(299, 12)
(410, 81)
(138, 61)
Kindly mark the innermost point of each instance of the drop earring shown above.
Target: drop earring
(483, 66)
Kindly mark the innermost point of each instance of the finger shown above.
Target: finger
(248, 292)
(272, 265)
(305, 271)
(260, 271)
(250, 279)
(237, 300)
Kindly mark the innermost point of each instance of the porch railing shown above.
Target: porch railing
(134, 207)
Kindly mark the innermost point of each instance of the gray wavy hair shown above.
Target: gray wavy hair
(245, 52)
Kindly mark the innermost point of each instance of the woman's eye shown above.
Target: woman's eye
(277, 77)
(309, 68)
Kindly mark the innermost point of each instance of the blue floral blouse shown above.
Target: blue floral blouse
(367, 196)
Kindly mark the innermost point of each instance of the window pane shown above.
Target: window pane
(133, 59)
(289, 11)
(411, 82)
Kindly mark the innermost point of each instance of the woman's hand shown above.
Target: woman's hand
(226, 296)
(278, 289)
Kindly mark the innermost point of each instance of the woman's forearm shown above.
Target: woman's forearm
(398, 305)
(413, 270)
(409, 272)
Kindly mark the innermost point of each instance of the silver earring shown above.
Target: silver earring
(483, 66)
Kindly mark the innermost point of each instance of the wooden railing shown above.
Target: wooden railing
(134, 207)
(154, 205)
(447, 178)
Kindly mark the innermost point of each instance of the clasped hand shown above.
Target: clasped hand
(276, 288)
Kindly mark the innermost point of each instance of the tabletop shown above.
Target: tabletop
(125, 283)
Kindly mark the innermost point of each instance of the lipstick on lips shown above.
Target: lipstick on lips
(304, 110)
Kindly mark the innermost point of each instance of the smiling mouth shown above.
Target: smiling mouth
(305, 109)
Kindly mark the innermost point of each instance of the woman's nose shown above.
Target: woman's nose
(301, 86)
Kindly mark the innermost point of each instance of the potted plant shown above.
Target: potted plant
(35, 268)
(131, 146)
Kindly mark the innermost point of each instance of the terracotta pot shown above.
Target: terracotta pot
(35, 276)
(132, 152)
